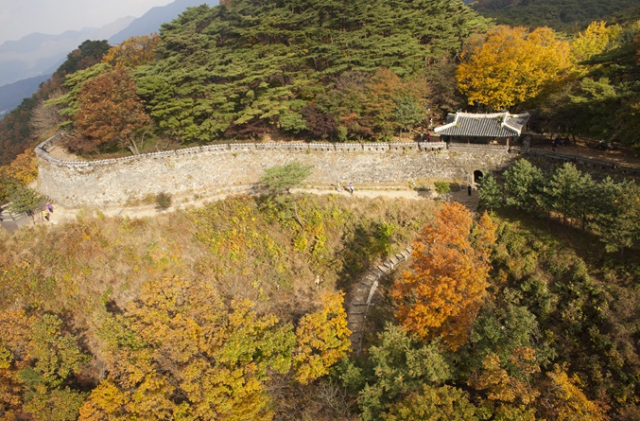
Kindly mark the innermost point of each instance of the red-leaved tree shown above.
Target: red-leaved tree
(111, 111)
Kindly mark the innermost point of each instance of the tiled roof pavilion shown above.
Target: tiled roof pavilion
(501, 124)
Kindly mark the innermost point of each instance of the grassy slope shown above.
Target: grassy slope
(242, 247)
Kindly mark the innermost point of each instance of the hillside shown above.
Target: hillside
(243, 71)
(566, 15)
(162, 310)
(241, 309)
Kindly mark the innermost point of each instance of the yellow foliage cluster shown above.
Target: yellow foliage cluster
(594, 40)
(133, 52)
(22, 170)
(509, 66)
(179, 340)
(322, 339)
(502, 387)
(566, 401)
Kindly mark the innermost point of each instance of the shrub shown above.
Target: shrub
(442, 187)
(163, 201)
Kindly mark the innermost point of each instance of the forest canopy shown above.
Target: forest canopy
(558, 14)
(326, 69)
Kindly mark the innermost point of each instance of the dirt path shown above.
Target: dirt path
(64, 214)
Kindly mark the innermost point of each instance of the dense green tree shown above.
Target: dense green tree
(400, 365)
(57, 357)
(572, 194)
(23, 198)
(281, 179)
(524, 187)
(408, 114)
(490, 195)
(88, 54)
(603, 102)
(618, 214)
(558, 14)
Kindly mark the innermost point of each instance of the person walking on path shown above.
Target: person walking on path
(45, 215)
(49, 208)
(351, 188)
(469, 189)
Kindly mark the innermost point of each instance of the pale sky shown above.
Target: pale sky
(23, 17)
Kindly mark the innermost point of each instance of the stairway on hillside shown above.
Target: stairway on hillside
(360, 298)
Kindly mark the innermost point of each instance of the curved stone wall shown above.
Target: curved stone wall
(237, 167)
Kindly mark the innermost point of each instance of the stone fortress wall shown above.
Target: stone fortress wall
(237, 167)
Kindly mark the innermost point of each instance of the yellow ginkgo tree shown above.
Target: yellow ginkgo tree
(322, 339)
(510, 66)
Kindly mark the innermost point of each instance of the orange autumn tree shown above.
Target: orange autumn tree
(442, 293)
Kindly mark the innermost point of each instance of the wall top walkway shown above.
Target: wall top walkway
(42, 150)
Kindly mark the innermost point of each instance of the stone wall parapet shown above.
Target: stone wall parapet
(477, 148)
(42, 150)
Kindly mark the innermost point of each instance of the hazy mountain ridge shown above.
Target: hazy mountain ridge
(24, 62)
(11, 95)
(38, 54)
(152, 20)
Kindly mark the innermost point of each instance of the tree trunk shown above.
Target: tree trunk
(296, 216)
